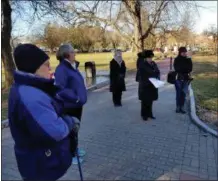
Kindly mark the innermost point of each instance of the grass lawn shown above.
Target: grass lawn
(205, 86)
(101, 59)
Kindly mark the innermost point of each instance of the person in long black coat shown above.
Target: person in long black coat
(147, 92)
(183, 67)
(138, 62)
(140, 59)
(117, 77)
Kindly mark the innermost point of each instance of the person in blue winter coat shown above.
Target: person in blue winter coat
(41, 132)
(68, 77)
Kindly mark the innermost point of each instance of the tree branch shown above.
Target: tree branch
(108, 22)
(156, 19)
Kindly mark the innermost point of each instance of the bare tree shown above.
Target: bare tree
(134, 20)
(105, 41)
(184, 33)
(39, 10)
(212, 33)
(115, 39)
(84, 37)
(135, 13)
(53, 36)
(6, 46)
(17, 33)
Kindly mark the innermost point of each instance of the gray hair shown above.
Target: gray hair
(64, 51)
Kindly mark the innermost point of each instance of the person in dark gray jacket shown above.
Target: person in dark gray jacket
(183, 67)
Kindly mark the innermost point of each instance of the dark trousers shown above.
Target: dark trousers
(76, 112)
(181, 91)
(117, 96)
(146, 109)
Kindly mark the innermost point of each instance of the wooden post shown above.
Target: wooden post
(90, 69)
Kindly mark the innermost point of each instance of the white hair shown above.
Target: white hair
(64, 51)
(116, 51)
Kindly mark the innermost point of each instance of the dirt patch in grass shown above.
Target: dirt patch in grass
(209, 116)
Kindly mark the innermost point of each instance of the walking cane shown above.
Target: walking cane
(77, 156)
(79, 166)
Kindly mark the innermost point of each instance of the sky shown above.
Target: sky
(207, 16)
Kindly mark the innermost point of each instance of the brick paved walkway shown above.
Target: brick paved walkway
(120, 146)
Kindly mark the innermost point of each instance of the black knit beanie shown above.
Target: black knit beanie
(29, 57)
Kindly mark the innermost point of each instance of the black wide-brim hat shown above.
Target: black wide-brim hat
(148, 54)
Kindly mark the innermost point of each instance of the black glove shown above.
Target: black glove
(76, 125)
(72, 122)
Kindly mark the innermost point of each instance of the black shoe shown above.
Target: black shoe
(177, 110)
(182, 111)
(145, 118)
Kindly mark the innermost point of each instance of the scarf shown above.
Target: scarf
(118, 59)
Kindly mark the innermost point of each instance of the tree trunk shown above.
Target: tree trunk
(134, 8)
(6, 55)
(138, 27)
(139, 43)
(114, 45)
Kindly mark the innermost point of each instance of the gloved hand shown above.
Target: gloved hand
(76, 125)
(72, 122)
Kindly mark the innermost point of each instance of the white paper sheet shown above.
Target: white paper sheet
(157, 83)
